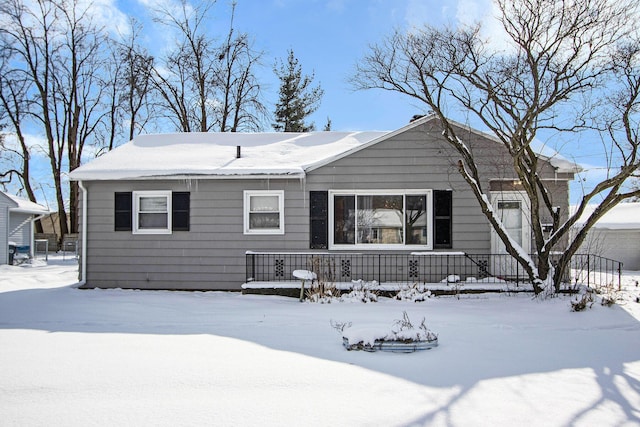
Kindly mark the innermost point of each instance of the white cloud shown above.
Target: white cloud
(418, 13)
(106, 14)
(460, 13)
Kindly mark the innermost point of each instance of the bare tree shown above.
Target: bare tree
(127, 87)
(551, 77)
(55, 47)
(30, 36)
(13, 109)
(184, 82)
(241, 107)
(77, 89)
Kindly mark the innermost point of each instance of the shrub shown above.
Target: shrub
(362, 291)
(582, 301)
(415, 293)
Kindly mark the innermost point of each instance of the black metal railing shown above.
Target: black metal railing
(427, 267)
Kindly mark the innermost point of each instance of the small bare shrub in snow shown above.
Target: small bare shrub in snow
(582, 301)
(362, 291)
(609, 295)
(416, 293)
(323, 293)
(339, 326)
(323, 290)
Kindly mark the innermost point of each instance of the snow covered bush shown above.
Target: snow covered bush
(609, 294)
(323, 293)
(402, 337)
(582, 301)
(416, 292)
(362, 291)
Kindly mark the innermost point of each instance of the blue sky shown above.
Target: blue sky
(328, 37)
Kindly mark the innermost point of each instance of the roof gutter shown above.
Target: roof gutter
(83, 232)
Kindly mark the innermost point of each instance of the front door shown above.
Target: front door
(512, 208)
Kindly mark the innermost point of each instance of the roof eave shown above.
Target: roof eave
(100, 177)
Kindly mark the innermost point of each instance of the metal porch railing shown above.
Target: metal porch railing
(421, 267)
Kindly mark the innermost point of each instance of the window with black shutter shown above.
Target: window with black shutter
(180, 211)
(319, 219)
(123, 211)
(442, 219)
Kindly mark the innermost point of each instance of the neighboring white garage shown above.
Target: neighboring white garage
(617, 235)
(16, 223)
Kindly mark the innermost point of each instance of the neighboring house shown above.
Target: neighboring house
(16, 223)
(616, 235)
(180, 211)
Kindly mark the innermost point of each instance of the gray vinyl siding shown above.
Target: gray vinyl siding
(4, 232)
(20, 229)
(209, 256)
(417, 159)
(212, 254)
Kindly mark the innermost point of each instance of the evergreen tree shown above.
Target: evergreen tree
(327, 127)
(297, 99)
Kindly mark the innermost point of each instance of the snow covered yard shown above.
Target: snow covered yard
(114, 357)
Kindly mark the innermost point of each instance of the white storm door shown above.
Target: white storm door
(513, 210)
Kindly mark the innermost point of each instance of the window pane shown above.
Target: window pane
(511, 216)
(264, 221)
(152, 220)
(443, 211)
(416, 220)
(380, 219)
(153, 204)
(264, 204)
(344, 220)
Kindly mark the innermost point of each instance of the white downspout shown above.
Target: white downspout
(83, 254)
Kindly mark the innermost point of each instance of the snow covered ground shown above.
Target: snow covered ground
(72, 357)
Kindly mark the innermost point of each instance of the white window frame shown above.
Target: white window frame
(137, 195)
(373, 246)
(247, 206)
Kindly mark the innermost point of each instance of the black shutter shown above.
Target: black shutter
(123, 211)
(180, 211)
(442, 219)
(318, 219)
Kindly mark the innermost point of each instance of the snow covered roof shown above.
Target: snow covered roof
(214, 154)
(25, 206)
(624, 216)
(268, 154)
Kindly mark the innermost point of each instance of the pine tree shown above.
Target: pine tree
(297, 99)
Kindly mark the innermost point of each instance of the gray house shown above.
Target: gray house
(216, 210)
(16, 224)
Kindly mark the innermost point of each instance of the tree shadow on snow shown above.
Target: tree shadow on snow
(477, 344)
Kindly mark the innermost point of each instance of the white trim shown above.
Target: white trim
(84, 230)
(391, 247)
(137, 195)
(246, 212)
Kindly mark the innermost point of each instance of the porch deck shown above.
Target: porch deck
(439, 272)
